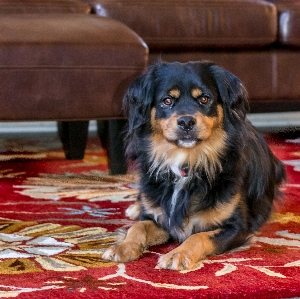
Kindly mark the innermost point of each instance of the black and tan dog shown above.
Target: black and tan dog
(207, 177)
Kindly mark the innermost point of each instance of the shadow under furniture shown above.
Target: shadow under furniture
(58, 62)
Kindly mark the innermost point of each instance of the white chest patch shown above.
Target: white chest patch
(180, 182)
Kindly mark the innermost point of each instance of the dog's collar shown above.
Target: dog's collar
(171, 177)
(184, 171)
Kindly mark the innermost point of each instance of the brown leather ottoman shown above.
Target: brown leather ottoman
(69, 67)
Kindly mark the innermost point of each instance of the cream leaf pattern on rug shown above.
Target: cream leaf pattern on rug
(294, 163)
(90, 186)
(24, 245)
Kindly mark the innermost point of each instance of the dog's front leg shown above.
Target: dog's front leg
(192, 250)
(141, 235)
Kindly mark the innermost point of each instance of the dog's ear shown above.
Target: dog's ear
(232, 92)
(137, 104)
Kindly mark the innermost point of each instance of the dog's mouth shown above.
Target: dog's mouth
(187, 142)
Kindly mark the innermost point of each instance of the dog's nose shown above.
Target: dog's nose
(186, 123)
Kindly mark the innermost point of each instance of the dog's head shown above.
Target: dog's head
(184, 105)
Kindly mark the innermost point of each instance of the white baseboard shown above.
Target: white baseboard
(275, 120)
(35, 127)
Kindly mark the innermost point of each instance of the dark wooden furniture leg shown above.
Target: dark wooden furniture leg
(73, 135)
(110, 133)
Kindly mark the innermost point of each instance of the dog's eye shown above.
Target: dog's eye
(203, 100)
(168, 101)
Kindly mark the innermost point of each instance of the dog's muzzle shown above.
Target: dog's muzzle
(186, 125)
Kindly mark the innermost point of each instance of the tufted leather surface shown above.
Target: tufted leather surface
(66, 66)
(189, 24)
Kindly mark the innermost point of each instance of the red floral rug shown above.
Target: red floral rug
(57, 216)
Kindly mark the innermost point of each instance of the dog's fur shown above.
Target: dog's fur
(207, 177)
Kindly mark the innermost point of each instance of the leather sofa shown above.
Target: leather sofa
(257, 40)
(59, 62)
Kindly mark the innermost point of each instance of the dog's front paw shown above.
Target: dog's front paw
(177, 260)
(123, 252)
(133, 211)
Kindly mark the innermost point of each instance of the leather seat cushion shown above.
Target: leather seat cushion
(193, 24)
(67, 40)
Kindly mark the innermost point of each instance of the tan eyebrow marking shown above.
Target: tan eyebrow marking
(196, 92)
(174, 93)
